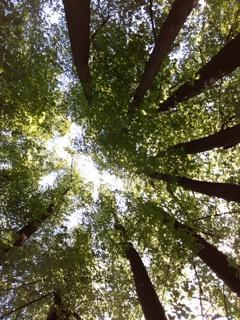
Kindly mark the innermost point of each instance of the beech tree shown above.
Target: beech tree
(119, 111)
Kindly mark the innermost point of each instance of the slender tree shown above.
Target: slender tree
(225, 138)
(221, 65)
(217, 261)
(227, 191)
(178, 14)
(151, 306)
(78, 23)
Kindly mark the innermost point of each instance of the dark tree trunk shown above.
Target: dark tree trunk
(227, 191)
(77, 14)
(58, 311)
(168, 33)
(217, 261)
(151, 306)
(225, 138)
(221, 65)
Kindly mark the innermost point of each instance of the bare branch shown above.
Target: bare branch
(25, 305)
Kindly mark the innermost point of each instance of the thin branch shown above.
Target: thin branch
(100, 27)
(200, 289)
(215, 215)
(232, 26)
(152, 20)
(25, 305)
(225, 303)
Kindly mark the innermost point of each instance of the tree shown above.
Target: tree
(108, 69)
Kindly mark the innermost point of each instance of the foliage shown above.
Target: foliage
(77, 249)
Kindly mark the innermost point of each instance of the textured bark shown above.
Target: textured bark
(225, 138)
(151, 306)
(222, 64)
(77, 14)
(168, 33)
(227, 191)
(217, 261)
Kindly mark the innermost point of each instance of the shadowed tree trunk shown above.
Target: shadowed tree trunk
(227, 191)
(23, 234)
(58, 311)
(151, 306)
(225, 138)
(168, 33)
(217, 261)
(221, 65)
(78, 23)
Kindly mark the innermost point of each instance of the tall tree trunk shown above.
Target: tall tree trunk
(224, 138)
(151, 306)
(217, 261)
(168, 33)
(77, 14)
(227, 191)
(221, 65)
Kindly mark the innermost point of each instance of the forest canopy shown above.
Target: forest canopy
(119, 159)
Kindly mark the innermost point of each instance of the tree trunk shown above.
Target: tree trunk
(28, 230)
(58, 311)
(217, 261)
(168, 33)
(225, 138)
(221, 65)
(78, 23)
(227, 191)
(151, 306)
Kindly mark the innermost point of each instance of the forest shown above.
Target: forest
(120, 159)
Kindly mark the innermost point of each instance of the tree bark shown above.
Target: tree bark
(217, 261)
(151, 306)
(221, 65)
(77, 14)
(225, 138)
(177, 16)
(227, 191)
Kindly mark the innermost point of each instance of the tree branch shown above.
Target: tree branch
(25, 305)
